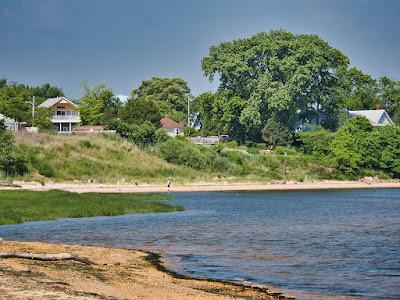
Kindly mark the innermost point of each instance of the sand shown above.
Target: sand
(116, 274)
(208, 187)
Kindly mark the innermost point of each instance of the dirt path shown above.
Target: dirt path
(116, 274)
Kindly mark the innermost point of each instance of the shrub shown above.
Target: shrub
(261, 146)
(161, 136)
(252, 150)
(142, 135)
(274, 133)
(345, 153)
(285, 150)
(316, 142)
(231, 144)
(10, 163)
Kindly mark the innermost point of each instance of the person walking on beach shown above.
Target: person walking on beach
(169, 185)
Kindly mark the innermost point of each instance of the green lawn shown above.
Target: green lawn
(23, 206)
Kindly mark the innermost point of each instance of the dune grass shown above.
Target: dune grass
(95, 158)
(110, 159)
(24, 206)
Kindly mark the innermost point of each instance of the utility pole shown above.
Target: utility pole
(188, 112)
(33, 109)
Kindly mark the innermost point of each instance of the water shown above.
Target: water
(343, 244)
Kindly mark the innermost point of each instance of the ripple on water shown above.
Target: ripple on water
(317, 244)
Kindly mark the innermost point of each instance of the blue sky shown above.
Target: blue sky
(65, 42)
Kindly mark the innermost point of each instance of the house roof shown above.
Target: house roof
(170, 124)
(50, 102)
(374, 116)
(6, 119)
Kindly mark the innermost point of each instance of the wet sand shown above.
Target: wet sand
(206, 187)
(114, 274)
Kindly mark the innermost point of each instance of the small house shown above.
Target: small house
(378, 117)
(64, 113)
(171, 127)
(10, 124)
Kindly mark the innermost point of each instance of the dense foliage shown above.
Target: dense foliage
(276, 88)
(171, 96)
(292, 78)
(14, 97)
(10, 163)
(356, 148)
(98, 106)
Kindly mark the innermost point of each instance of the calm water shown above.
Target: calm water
(331, 243)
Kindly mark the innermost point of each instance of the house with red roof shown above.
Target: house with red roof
(171, 127)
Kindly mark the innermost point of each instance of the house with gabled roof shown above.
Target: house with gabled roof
(171, 127)
(10, 124)
(64, 113)
(378, 117)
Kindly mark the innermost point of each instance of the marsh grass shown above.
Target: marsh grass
(24, 206)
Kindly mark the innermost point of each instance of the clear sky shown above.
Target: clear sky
(65, 42)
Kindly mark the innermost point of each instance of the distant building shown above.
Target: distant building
(92, 129)
(377, 117)
(195, 120)
(64, 113)
(10, 124)
(171, 127)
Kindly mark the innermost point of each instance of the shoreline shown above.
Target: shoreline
(116, 273)
(203, 187)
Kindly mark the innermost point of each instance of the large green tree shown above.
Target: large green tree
(389, 94)
(98, 106)
(360, 90)
(13, 98)
(170, 94)
(279, 73)
(140, 111)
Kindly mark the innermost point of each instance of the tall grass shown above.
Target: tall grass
(96, 158)
(24, 206)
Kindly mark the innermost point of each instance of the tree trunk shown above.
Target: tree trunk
(46, 257)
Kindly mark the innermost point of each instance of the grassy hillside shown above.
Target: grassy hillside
(93, 158)
(98, 158)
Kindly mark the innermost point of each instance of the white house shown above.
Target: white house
(171, 127)
(10, 124)
(64, 113)
(377, 117)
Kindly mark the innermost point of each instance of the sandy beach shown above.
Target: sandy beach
(112, 274)
(206, 187)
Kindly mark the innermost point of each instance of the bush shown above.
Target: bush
(142, 135)
(161, 136)
(261, 146)
(10, 163)
(274, 133)
(316, 142)
(285, 150)
(345, 154)
(181, 152)
(231, 144)
(252, 150)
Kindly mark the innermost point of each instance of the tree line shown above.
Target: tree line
(270, 80)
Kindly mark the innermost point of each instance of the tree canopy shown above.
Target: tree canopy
(13, 97)
(98, 105)
(277, 72)
(171, 95)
